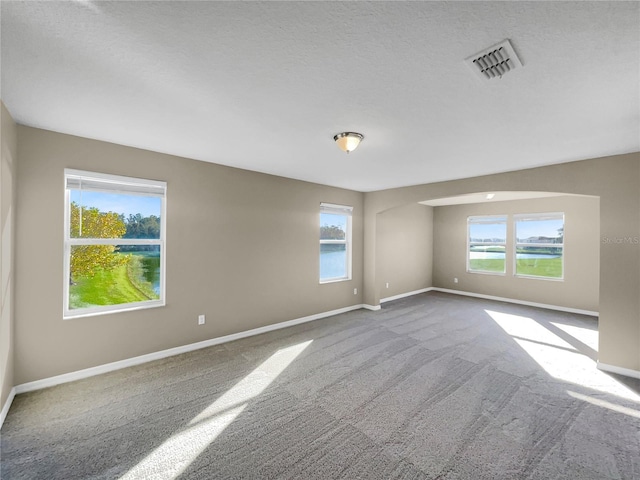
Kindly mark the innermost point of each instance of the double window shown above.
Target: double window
(335, 242)
(114, 243)
(537, 251)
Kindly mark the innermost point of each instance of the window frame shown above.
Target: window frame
(347, 211)
(130, 186)
(504, 219)
(537, 217)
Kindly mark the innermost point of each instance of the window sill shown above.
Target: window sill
(500, 274)
(536, 277)
(106, 310)
(335, 280)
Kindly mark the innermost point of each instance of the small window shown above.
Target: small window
(335, 242)
(487, 244)
(114, 243)
(540, 245)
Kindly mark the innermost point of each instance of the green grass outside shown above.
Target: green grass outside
(111, 287)
(493, 265)
(538, 267)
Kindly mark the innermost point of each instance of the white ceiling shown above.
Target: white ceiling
(264, 86)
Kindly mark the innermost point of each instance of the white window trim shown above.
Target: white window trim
(536, 216)
(348, 212)
(475, 219)
(131, 186)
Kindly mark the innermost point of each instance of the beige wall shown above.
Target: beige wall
(238, 246)
(405, 249)
(8, 161)
(616, 180)
(242, 248)
(580, 286)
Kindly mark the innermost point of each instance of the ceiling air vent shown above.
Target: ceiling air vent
(495, 61)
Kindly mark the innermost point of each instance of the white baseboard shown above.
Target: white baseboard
(520, 302)
(403, 295)
(110, 367)
(627, 372)
(371, 307)
(7, 406)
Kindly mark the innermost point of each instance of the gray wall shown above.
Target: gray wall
(405, 249)
(580, 287)
(242, 248)
(616, 180)
(8, 161)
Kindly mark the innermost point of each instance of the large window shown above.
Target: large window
(538, 250)
(487, 241)
(335, 242)
(539, 245)
(114, 243)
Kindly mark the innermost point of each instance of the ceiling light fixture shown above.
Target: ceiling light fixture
(348, 141)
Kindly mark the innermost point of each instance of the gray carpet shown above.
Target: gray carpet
(434, 386)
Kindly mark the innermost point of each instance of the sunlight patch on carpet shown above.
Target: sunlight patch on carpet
(527, 329)
(176, 453)
(604, 404)
(585, 335)
(557, 357)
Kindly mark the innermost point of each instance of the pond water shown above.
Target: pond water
(150, 268)
(333, 264)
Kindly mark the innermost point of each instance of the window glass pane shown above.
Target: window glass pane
(114, 215)
(488, 232)
(487, 239)
(549, 230)
(487, 258)
(539, 262)
(545, 258)
(333, 227)
(333, 260)
(113, 275)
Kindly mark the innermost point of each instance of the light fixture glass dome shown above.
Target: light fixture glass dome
(348, 141)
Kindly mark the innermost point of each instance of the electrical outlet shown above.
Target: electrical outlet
(355, 291)
(201, 319)
(455, 280)
(387, 284)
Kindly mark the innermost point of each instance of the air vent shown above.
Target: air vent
(495, 61)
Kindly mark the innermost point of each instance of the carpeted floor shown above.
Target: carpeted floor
(434, 386)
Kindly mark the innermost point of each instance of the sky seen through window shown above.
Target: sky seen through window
(125, 204)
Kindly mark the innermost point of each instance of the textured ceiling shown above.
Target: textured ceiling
(265, 86)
